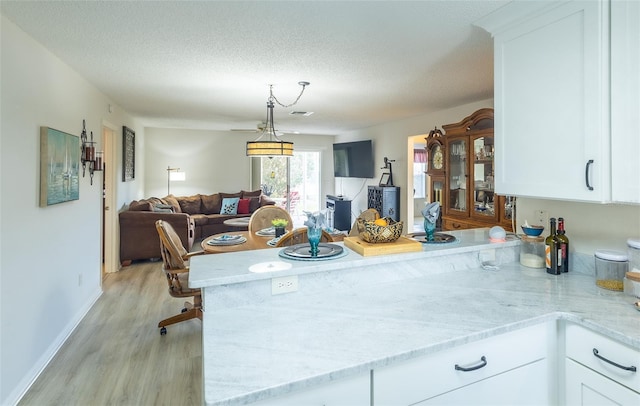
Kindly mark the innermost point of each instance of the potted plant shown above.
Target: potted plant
(279, 225)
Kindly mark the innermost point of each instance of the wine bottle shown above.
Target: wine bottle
(551, 249)
(563, 254)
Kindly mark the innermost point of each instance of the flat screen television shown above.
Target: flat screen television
(353, 160)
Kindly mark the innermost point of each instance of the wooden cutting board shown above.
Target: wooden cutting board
(367, 249)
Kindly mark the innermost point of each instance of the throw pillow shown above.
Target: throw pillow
(254, 204)
(190, 204)
(230, 205)
(171, 199)
(211, 204)
(142, 205)
(243, 206)
(163, 208)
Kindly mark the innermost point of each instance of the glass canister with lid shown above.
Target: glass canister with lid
(532, 251)
(633, 252)
(611, 267)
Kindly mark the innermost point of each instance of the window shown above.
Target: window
(300, 177)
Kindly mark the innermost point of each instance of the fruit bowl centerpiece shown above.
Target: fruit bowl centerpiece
(384, 229)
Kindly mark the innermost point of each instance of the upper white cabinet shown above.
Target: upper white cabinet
(554, 91)
(625, 101)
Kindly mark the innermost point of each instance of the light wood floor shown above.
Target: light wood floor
(116, 356)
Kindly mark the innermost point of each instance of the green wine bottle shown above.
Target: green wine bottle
(551, 249)
(563, 254)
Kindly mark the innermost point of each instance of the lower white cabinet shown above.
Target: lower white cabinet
(585, 387)
(525, 385)
(510, 369)
(354, 391)
(600, 371)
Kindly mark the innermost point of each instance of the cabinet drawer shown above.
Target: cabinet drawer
(581, 343)
(449, 224)
(421, 378)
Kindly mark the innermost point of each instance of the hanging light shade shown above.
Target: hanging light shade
(269, 143)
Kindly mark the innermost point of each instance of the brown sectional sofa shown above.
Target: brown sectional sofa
(193, 217)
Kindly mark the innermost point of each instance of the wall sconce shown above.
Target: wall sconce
(88, 155)
(173, 175)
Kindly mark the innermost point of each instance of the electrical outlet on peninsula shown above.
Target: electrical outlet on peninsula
(284, 284)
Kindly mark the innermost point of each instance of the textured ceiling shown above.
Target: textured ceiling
(208, 64)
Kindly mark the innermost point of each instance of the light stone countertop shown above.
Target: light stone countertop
(354, 314)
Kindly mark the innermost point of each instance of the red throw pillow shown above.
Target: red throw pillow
(243, 206)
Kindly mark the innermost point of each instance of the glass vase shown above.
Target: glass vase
(313, 234)
(429, 229)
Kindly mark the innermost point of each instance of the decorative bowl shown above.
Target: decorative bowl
(374, 233)
(533, 231)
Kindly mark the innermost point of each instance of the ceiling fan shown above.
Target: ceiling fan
(260, 127)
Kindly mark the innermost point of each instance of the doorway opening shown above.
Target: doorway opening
(108, 243)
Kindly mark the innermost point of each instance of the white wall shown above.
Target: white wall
(44, 251)
(215, 161)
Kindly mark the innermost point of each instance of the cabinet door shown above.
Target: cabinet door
(586, 387)
(526, 385)
(457, 170)
(485, 203)
(625, 101)
(354, 391)
(551, 99)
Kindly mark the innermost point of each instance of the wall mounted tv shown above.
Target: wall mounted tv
(353, 160)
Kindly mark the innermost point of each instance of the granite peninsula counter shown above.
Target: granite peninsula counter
(353, 314)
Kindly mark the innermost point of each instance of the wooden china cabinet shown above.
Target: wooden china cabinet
(461, 174)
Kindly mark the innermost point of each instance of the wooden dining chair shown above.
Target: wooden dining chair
(175, 266)
(262, 217)
(367, 215)
(299, 236)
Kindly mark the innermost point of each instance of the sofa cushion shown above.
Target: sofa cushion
(228, 195)
(243, 206)
(255, 193)
(211, 204)
(171, 199)
(254, 204)
(141, 205)
(190, 204)
(230, 205)
(199, 219)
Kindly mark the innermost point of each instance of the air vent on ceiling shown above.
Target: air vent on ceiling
(301, 113)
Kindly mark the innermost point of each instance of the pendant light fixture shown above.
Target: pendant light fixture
(269, 142)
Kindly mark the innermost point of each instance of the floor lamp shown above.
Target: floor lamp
(174, 174)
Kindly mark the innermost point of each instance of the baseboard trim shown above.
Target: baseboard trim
(30, 377)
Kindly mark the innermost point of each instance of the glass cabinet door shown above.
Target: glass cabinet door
(457, 199)
(484, 200)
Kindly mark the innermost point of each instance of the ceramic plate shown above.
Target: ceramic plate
(234, 241)
(228, 237)
(266, 232)
(303, 251)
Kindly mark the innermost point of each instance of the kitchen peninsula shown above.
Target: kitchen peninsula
(353, 315)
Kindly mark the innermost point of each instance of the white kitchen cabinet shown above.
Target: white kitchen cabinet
(508, 362)
(551, 98)
(625, 101)
(515, 387)
(587, 388)
(591, 376)
(353, 391)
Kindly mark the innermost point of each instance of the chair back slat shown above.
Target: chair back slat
(262, 218)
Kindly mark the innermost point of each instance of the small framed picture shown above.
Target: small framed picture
(385, 179)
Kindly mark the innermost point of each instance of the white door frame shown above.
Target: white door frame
(109, 140)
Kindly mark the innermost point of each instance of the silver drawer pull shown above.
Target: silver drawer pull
(631, 368)
(483, 363)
